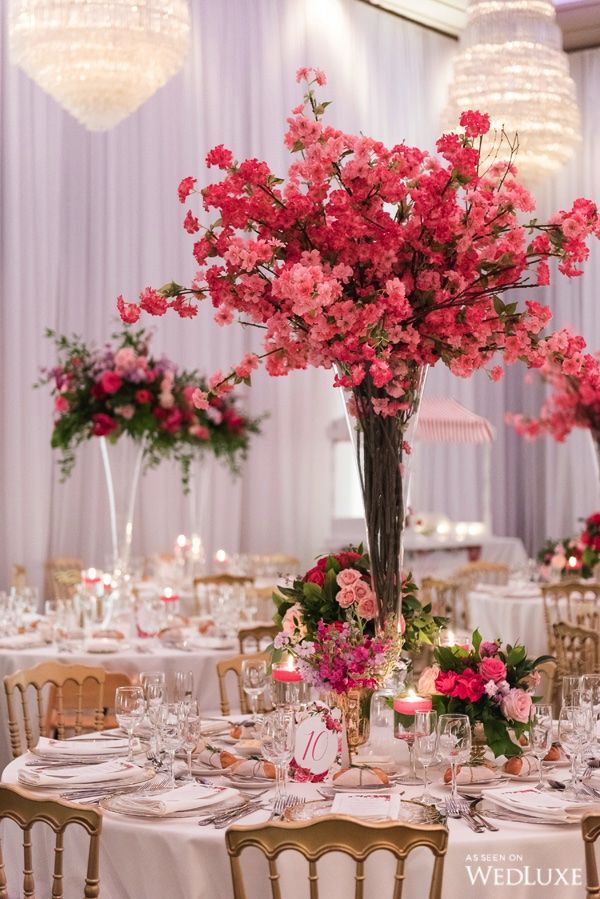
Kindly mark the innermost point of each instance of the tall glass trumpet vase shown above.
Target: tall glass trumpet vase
(122, 462)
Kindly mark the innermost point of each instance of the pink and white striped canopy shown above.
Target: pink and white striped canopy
(444, 420)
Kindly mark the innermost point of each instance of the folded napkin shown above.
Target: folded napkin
(93, 744)
(535, 804)
(213, 757)
(252, 768)
(22, 641)
(215, 727)
(107, 772)
(181, 799)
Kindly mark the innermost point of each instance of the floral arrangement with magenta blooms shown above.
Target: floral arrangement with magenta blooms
(491, 683)
(378, 262)
(575, 556)
(121, 389)
(328, 622)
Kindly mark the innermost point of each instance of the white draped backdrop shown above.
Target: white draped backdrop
(85, 217)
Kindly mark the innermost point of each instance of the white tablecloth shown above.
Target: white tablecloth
(432, 556)
(179, 859)
(515, 618)
(130, 661)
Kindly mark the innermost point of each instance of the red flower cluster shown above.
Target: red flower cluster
(467, 685)
(316, 575)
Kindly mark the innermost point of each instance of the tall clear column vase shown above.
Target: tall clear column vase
(195, 560)
(382, 449)
(122, 462)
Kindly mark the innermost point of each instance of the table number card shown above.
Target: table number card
(317, 743)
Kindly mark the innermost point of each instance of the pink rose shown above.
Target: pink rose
(367, 607)
(492, 668)
(61, 404)
(347, 577)
(292, 622)
(346, 597)
(533, 680)
(426, 684)
(126, 412)
(402, 624)
(110, 382)
(362, 590)
(516, 705)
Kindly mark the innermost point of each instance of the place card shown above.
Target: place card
(367, 805)
(317, 741)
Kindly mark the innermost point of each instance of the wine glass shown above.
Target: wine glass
(254, 680)
(425, 747)
(454, 743)
(574, 732)
(170, 727)
(571, 683)
(129, 711)
(540, 736)
(191, 732)
(184, 686)
(404, 729)
(155, 693)
(590, 689)
(278, 735)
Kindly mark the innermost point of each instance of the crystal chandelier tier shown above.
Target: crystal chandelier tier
(100, 59)
(511, 65)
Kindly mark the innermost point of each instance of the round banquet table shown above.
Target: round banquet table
(203, 663)
(177, 858)
(512, 613)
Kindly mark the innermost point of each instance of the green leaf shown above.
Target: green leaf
(476, 640)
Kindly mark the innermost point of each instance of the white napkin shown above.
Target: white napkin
(103, 644)
(366, 805)
(106, 772)
(181, 799)
(89, 744)
(537, 804)
(22, 641)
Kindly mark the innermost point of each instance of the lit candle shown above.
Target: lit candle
(411, 703)
(90, 576)
(168, 595)
(287, 673)
(181, 541)
(572, 561)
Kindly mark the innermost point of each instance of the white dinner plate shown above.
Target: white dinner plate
(118, 805)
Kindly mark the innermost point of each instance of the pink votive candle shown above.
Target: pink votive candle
(287, 675)
(411, 704)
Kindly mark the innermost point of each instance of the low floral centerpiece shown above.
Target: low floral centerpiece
(489, 682)
(121, 389)
(572, 556)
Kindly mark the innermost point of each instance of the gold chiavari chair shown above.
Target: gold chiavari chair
(39, 679)
(590, 829)
(114, 679)
(547, 689)
(202, 587)
(62, 574)
(254, 638)
(558, 602)
(356, 839)
(577, 649)
(18, 576)
(446, 598)
(483, 572)
(26, 811)
(234, 666)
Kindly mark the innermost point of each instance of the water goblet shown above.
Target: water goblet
(191, 732)
(170, 727)
(254, 681)
(425, 747)
(278, 735)
(129, 711)
(571, 683)
(184, 686)
(540, 736)
(454, 743)
(575, 724)
(404, 729)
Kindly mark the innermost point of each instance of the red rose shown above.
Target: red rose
(322, 563)
(103, 425)
(233, 422)
(110, 382)
(445, 681)
(172, 422)
(596, 544)
(585, 538)
(143, 396)
(469, 685)
(316, 575)
(346, 559)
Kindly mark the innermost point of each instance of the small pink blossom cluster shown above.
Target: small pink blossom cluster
(574, 400)
(372, 259)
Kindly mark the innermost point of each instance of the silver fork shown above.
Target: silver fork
(156, 785)
(454, 810)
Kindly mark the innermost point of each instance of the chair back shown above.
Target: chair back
(483, 572)
(253, 639)
(26, 811)
(18, 576)
(547, 689)
(558, 602)
(37, 680)
(577, 649)
(356, 839)
(62, 574)
(89, 699)
(590, 829)
(446, 598)
(234, 666)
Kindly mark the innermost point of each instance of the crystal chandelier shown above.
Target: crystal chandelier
(511, 65)
(100, 59)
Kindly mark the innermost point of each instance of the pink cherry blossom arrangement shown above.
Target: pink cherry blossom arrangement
(489, 682)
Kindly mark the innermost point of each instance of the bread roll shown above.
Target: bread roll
(554, 754)
(521, 766)
(468, 774)
(243, 731)
(360, 777)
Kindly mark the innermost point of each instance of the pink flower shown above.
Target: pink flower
(533, 679)
(367, 607)
(492, 668)
(143, 396)
(488, 648)
(475, 123)
(110, 382)
(316, 575)
(346, 597)
(199, 432)
(185, 188)
(61, 404)
(200, 399)
(103, 425)
(445, 682)
(516, 705)
(362, 590)
(426, 683)
(469, 685)
(129, 312)
(219, 156)
(127, 411)
(191, 223)
(347, 577)
(402, 624)
(292, 623)
(153, 302)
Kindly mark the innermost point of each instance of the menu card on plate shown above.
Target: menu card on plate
(367, 805)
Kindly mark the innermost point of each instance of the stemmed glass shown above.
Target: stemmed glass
(405, 730)
(191, 732)
(590, 689)
(130, 708)
(254, 681)
(454, 743)
(171, 716)
(571, 684)
(540, 736)
(278, 735)
(155, 693)
(426, 746)
(184, 686)
(575, 724)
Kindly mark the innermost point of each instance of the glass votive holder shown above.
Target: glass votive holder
(288, 689)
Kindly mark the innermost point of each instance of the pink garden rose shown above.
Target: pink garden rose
(110, 382)
(346, 597)
(492, 668)
(292, 622)
(367, 607)
(362, 590)
(516, 705)
(127, 411)
(61, 404)
(347, 577)
(426, 684)
(487, 648)
(533, 679)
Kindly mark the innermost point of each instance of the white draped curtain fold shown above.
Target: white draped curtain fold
(85, 217)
